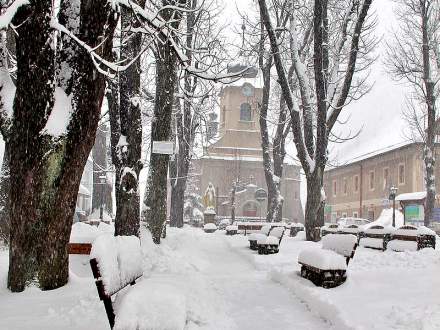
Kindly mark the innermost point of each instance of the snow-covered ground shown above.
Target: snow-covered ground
(219, 283)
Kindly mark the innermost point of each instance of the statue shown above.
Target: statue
(209, 197)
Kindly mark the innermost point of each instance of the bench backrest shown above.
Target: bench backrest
(118, 261)
(277, 232)
(265, 230)
(341, 244)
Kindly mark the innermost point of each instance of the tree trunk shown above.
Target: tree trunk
(5, 184)
(313, 220)
(129, 165)
(98, 22)
(166, 79)
(185, 133)
(429, 151)
(34, 96)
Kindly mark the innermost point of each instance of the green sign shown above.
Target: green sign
(414, 213)
(328, 209)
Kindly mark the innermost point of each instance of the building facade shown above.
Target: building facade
(362, 188)
(236, 156)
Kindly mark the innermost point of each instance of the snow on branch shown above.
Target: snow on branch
(9, 13)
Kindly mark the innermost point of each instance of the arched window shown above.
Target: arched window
(245, 112)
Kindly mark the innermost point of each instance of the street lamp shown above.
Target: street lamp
(102, 181)
(393, 191)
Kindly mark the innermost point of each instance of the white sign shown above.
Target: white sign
(163, 147)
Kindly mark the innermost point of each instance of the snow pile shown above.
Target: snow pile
(83, 233)
(400, 245)
(119, 260)
(375, 243)
(149, 305)
(297, 225)
(256, 237)
(210, 226)
(422, 230)
(231, 228)
(322, 259)
(277, 232)
(406, 231)
(341, 244)
(386, 219)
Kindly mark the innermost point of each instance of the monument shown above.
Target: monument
(209, 203)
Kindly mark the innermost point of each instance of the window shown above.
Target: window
(245, 112)
(386, 177)
(371, 181)
(334, 188)
(401, 173)
(355, 215)
(345, 186)
(356, 183)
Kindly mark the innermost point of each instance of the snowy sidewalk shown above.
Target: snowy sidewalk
(223, 290)
(252, 300)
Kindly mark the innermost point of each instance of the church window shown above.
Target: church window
(245, 112)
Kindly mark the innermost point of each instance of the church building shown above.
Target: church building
(235, 155)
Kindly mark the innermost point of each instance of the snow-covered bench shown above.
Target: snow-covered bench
(271, 243)
(375, 237)
(329, 229)
(262, 234)
(295, 228)
(411, 238)
(231, 230)
(350, 229)
(116, 262)
(209, 228)
(327, 267)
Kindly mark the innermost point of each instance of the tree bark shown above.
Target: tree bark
(33, 100)
(5, 207)
(185, 132)
(129, 164)
(429, 150)
(166, 79)
(97, 23)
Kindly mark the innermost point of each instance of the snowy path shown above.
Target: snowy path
(252, 300)
(215, 273)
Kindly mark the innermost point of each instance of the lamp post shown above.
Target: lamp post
(102, 181)
(393, 191)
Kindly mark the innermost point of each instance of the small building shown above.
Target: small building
(236, 156)
(361, 188)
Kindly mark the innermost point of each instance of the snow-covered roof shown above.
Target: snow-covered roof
(372, 154)
(414, 196)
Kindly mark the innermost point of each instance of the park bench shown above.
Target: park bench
(271, 243)
(411, 238)
(350, 229)
(231, 230)
(116, 263)
(253, 238)
(209, 228)
(329, 229)
(295, 228)
(375, 237)
(327, 266)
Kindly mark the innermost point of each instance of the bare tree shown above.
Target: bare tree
(413, 57)
(340, 34)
